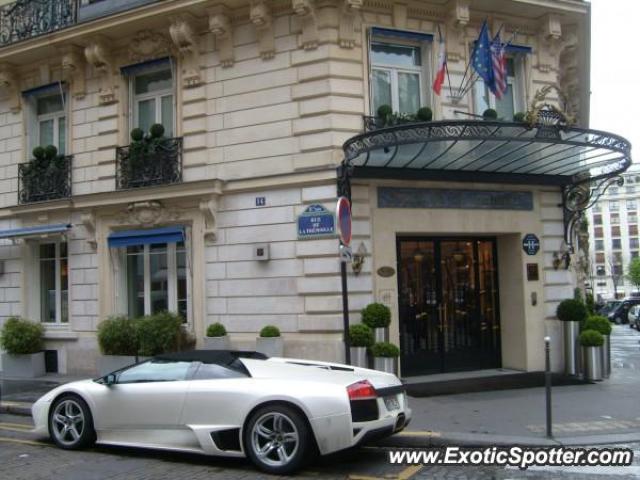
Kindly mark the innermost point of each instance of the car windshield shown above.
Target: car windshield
(610, 306)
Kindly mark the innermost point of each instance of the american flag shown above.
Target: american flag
(499, 61)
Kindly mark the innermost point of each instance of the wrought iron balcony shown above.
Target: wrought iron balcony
(145, 164)
(44, 180)
(25, 19)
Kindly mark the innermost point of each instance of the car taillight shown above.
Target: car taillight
(362, 390)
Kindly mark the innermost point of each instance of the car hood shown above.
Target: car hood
(309, 370)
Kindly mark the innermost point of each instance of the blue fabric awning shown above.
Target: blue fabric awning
(138, 68)
(127, 238)
(390, 32)
(49, 89)
(35, 230)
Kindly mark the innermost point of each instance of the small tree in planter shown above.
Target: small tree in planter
(377, 316)
(23, 342)
(270, 342)
(591, 341)
(217, 338)
(385, 357)
(601, 324)
(360, 338)
(118, 341)
(572, 313)
(161, 333)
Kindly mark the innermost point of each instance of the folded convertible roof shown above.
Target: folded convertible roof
(219, 357)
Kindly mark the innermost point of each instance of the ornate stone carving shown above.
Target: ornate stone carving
(186, 41)
(549, 43)
(10, 84)
(305, 9)
(221, 28)
(147, 45)
(88, 219)
(348, 16)
(260, 15)
(459, 13)
(73, 69)
(147, 214)
(99, 56)
(209, 209)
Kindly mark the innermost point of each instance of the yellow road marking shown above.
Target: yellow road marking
(16, 425)
(409, 472)
(24, 442)
(413, 433)
(14, 429)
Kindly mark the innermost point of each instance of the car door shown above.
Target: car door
(148, 396)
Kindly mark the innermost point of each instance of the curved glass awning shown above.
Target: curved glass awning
(488, 151)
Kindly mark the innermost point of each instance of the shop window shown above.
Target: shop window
(614, 219)
(597, 219)
(597, 232)
(513, 99)
(600, 271)
(633, 230)
(615, 231)
(616, 244)
(633, 243)
(152, 98)
(53, 282)
(614, 205)
(398, 73)
(154, 279)
(599, 245)
(631, 205)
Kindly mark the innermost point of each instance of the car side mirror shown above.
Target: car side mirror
(109, 379)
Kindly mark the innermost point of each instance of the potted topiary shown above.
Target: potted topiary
(519, 117)
(384, 115)
(591, 341)
(489, 114)
(270, 342)
(385, 357)
(217, 338)
(571, 313)
(118, 341)
(424, 114)
(23, 342)
(601, 324)
(360, 338)
(377, 316)
(161, 333)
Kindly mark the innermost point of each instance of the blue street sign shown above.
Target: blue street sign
(316, 222)
(530, 244)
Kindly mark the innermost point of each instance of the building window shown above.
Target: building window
(397, 76)
(632, 217)
(600, 270)
(630, 189)
(616, 269)
(633, 230)
(47, 119)
(153, 99)
(596, 207)
(614, 206)
(54, 282)
(597, 232)
(614, 219)
(599, 257)
(633, 243)
(631, 205)
(615, 231)
(616, 244)
(512, 100)
(597, 219)
(599, 244)
(156, 279)
(613, 191)
(634, 254)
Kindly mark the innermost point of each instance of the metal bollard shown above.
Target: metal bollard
(547, 383)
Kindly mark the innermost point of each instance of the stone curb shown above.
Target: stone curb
(16, 408)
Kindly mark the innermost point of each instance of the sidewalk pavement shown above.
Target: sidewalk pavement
(601, 413)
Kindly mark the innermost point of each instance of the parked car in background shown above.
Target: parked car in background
(632, 316)
(620, 313)
(606, 308)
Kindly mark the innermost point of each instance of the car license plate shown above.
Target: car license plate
(392, 403)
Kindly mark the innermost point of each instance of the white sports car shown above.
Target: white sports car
(276, 411)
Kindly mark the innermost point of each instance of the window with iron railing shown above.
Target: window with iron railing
(26, 19)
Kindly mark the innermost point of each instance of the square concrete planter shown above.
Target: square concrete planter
(110, 363)
(270, 346)
(217, 343)
(24, 366)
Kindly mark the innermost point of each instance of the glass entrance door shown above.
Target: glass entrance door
(448, 299)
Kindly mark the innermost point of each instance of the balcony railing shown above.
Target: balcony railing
(25, 19)
(44, 180)
(145, 165)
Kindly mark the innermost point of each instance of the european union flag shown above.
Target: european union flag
(482, 61)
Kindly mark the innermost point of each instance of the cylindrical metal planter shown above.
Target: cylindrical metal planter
(592, 363)
(386, 364)
(571, 330)
(381, 334)
(606, 356)
(359, 357)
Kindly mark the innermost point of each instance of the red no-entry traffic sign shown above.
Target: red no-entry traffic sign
(343, 216)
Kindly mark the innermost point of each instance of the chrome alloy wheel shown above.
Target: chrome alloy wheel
(68, 422)
(275, 439)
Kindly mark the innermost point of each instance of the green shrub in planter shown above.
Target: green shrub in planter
(424, 114)
(490, 114)
(160, 333)
(571, 310)
(50, 151)
(216, 330)
(385, 349)
(270, 331)
(137, 134)
(360, 335)
(591, 338)
(118, 336)
(376, 315)
(519, 117)
(384, 111)
(38, 153)
(156, 130)
(598, 323)
(21, 337)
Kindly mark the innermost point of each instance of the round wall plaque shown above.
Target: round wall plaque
(386, 272)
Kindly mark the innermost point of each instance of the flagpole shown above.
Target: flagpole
(473, 53)
(446, 64)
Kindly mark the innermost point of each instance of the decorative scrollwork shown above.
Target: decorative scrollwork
(43, 179)
(161, 165)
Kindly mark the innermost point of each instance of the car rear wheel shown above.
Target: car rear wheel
(71, 423)
(277, 439)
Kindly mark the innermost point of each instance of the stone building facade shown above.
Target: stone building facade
(263, 94)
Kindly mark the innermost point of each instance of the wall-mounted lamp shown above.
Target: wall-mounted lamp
(561, 259)
(358, 259)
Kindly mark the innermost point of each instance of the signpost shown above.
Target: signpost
(343, 216)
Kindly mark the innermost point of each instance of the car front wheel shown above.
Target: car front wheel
(277, 439)
(70, 423)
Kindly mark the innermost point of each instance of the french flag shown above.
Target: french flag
(442, 66)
